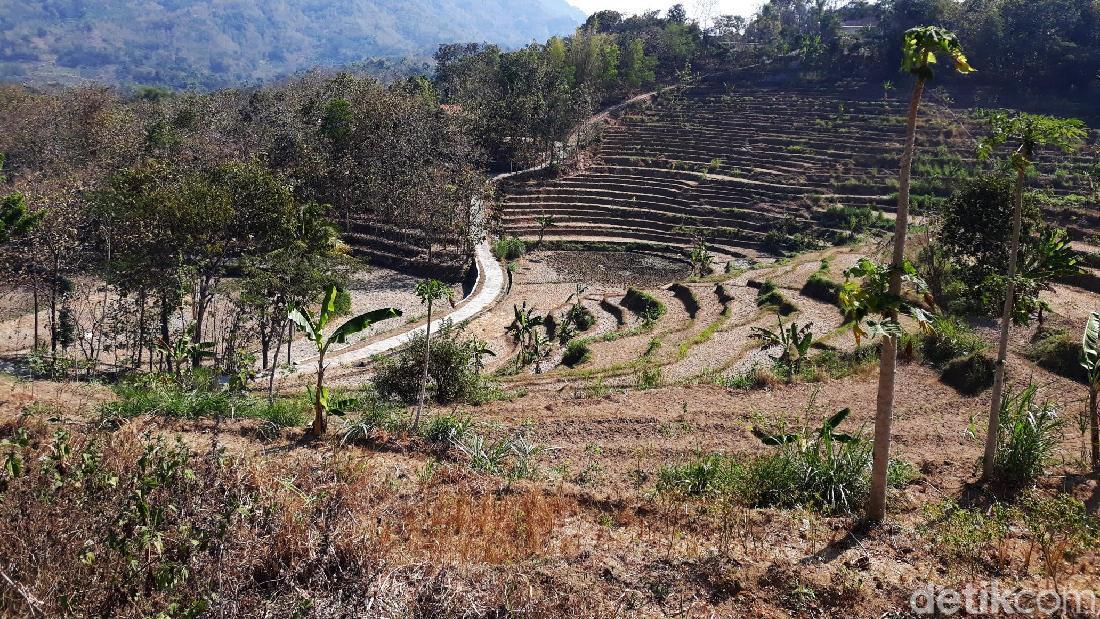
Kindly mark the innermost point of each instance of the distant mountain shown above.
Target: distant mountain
(210, 43)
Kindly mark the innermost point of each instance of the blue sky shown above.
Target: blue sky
(722, 7)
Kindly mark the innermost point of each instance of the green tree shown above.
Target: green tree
(429, 291)
(15, 219)
(919, 48)
(313, 328)
(637, 69)
(1029, 132)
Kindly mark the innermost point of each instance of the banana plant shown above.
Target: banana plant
(313, 328)
(185, 347)
(1090, 361)
(793, 341)
(810, 440)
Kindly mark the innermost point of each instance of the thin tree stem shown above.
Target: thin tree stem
(997, 398)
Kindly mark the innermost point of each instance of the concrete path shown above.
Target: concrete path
(490, 285)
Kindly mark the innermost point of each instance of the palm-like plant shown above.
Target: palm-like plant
(701, 259)
(1031, 132)
(545, 223)
(1090, 361)
(429, 291)
(793, 342)
(919, 49)
(313, 328)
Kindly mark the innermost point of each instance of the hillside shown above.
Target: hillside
(213, 43)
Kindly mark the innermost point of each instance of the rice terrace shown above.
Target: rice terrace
(786, 308)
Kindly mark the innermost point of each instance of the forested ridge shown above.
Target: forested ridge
(210, 44)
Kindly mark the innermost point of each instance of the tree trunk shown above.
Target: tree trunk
(424, 375)
(884, 406)
(164, 334)
(994, 428)
(1094, 416)
(141, 329)
(34, 295)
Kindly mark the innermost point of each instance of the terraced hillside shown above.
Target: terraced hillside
(747, 168)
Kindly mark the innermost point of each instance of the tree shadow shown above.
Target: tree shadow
(859, 531)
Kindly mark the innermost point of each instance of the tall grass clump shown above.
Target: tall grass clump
(1029, 434)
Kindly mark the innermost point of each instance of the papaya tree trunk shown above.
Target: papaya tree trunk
(994, 429)
(884, 405)
(427, 359)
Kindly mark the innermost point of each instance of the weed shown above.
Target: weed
(447, 429)
(648, 377)
(576, 353)
(970, 375)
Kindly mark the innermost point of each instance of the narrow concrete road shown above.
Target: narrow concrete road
(490, 285)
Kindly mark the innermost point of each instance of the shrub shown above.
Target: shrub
(447, 429)
(769, 296)
(509, 248)
(1062, 528)
(969, 536)
(576, 353)
(1060, 353)
(1029, 434)
(821, 288)
(951, 338)
(644, 305)
(452, 370)
(581, 317)
(855, 218)
(970, 375)
(649, 377)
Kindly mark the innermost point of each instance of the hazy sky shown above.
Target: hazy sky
(722, 7)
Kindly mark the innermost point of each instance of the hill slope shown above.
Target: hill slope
(223, 42)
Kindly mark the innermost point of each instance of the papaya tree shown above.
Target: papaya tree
(314, 329)
(429, 291)
(1029, 133)
(1090, 361)
(920, 47)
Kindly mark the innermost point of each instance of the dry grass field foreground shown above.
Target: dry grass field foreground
(592, 495)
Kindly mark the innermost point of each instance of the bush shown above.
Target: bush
(970, 375)
(576, 353)
(821, 288)
(769, 296)
(1029, 435)
(644, 305)
(855, 218)
(581, 317)
(649, 377)
(447, 429)
(833, 477)
(453, 375)
(951, 338)
(509, 248)
(1059, 353)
